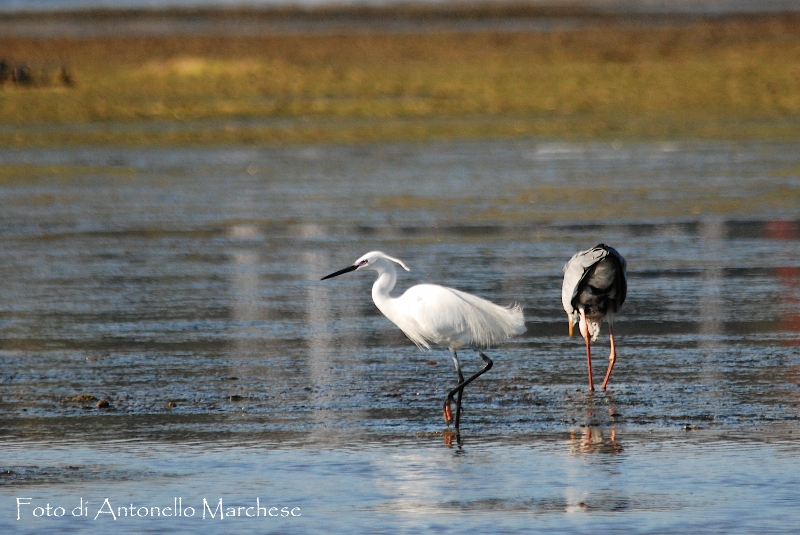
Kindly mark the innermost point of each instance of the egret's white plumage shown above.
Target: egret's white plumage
(430, 314)
(595, 286)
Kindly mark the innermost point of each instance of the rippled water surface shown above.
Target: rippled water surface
(182, 286)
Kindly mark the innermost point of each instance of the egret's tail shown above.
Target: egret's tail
(491, 324)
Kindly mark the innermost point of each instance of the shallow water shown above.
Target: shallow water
(629, 482)
(182, 285)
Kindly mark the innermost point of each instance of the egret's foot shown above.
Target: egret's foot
(448, 411)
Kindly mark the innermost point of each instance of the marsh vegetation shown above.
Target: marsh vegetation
(731, 78)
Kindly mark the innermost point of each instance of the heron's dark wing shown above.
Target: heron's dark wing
(622, 277)
(574, 272)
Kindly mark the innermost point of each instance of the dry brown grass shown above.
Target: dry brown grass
(726, 78)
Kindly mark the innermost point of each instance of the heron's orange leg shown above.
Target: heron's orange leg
(585, 333)
(612, 357)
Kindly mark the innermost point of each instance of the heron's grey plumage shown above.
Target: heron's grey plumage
(596, 281)
(595, 286)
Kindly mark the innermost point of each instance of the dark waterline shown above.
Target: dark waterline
(117, 18)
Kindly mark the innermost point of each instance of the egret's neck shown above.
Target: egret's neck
(387, 277)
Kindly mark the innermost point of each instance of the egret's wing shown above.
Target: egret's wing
(445, 316)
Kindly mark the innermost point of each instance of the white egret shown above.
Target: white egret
(595, 286)
(435, 315)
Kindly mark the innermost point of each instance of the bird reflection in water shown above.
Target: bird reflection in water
(449, 435)
(591, 440)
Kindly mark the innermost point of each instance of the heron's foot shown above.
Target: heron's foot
(448, 410)
(612, 358)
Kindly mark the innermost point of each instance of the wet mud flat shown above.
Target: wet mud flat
(182, 287)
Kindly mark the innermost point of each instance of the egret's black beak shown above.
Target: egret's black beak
(341, 272)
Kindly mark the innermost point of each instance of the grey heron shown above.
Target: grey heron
(595, 287)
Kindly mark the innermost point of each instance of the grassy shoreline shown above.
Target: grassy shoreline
(722, 78)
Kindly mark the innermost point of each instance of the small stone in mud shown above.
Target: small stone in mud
(431, 363)
(171, 405)
(81, 398)
(236, 398)
(103, 404)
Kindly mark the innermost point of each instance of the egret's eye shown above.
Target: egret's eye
(363, 263)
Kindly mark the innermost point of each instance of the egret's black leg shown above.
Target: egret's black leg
(458, 405)
(460, 388)
(448, 413)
